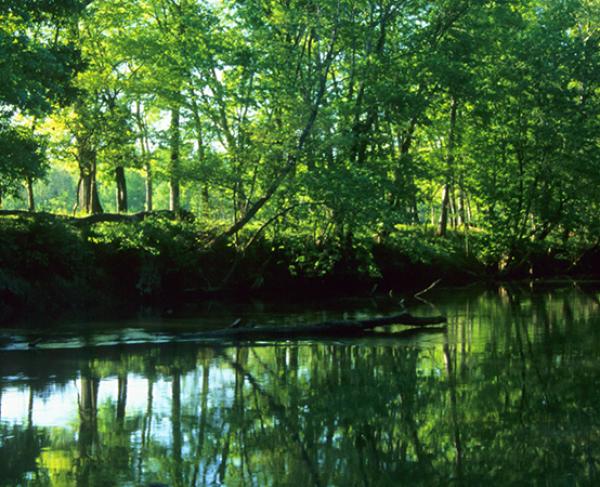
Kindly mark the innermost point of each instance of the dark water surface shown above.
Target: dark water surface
(509, 395)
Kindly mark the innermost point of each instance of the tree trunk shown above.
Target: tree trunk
(444, 212)
(462, 213)
(87, 191)
(403, 177)
(148, 185)
(30, 196)
(443, 227)
(205, 201)
(122, 206)
(95, 205)
(145, 153)
(200, 154)
(83, 192)
(453, 208)
(414, 208)
(175, 140)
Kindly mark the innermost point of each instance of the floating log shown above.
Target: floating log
(328, 329)
(245, 332)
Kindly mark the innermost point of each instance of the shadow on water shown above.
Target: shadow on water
(509, 395)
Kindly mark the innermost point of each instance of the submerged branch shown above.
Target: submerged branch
(427, 289)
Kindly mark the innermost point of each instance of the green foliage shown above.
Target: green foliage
(422, 245)
(158, 253)
(323, 126)
(36, 69)
(55, 190)
(22, 157)
(46, 267)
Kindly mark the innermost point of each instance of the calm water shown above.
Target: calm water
(509, 395)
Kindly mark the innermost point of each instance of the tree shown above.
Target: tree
(531, 135)
(36, 72)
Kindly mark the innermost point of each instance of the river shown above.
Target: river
(509, 394)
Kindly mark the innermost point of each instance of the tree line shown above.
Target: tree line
(337, 117)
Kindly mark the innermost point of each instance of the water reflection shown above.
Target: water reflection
(508, 396)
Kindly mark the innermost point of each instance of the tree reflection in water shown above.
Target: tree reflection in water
(509, 395)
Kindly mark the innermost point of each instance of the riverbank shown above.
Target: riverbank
(50, 264)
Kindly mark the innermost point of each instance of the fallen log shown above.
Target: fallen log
(327, 329)
(100, 217)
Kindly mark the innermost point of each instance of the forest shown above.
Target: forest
(156, 146)
(224, 225)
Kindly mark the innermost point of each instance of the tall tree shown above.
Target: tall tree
(37, 65)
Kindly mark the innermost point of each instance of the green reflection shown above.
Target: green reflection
(508, 396)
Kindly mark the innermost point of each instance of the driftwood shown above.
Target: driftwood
(328, 329)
